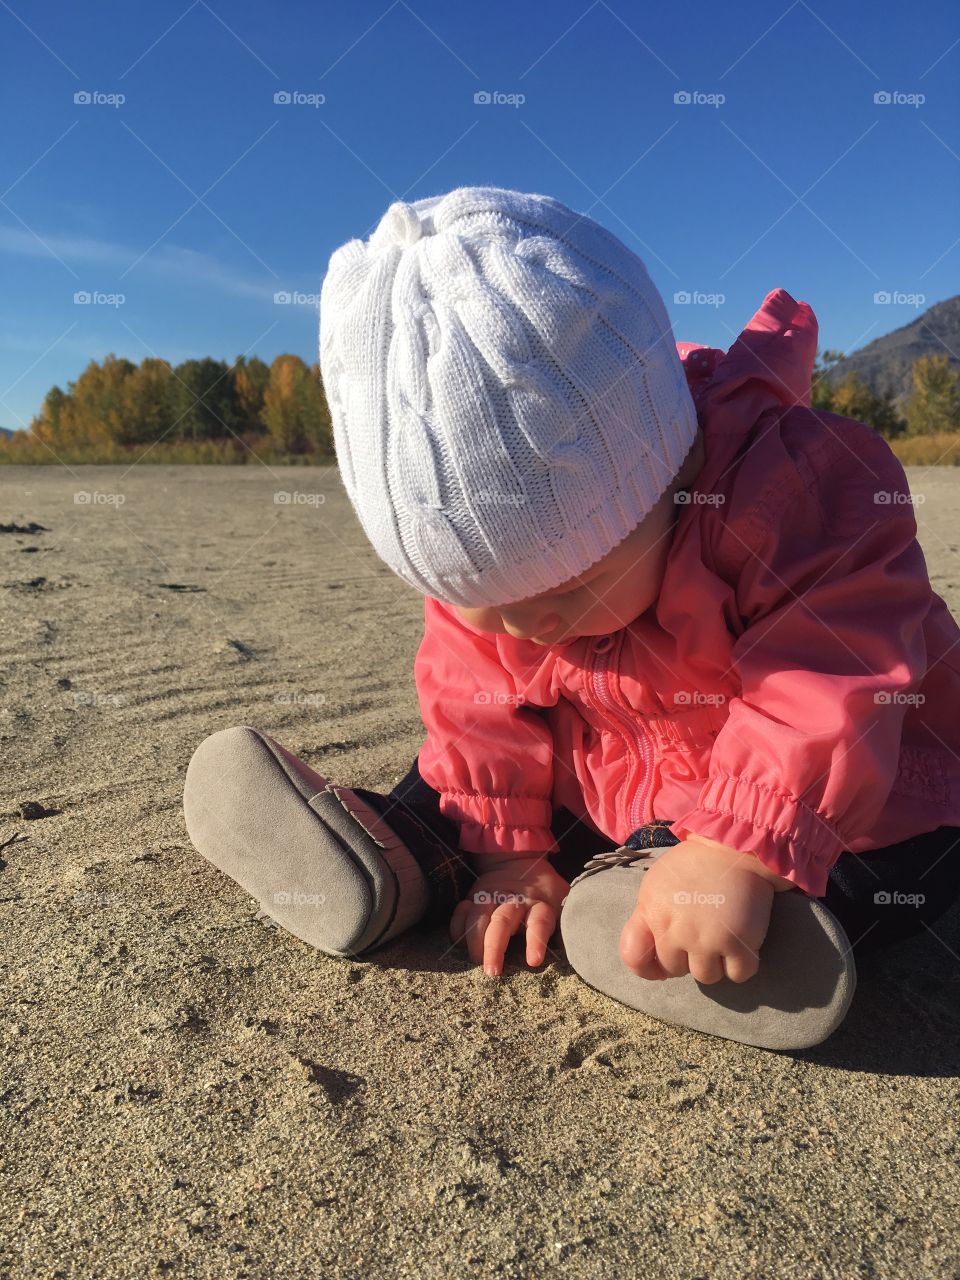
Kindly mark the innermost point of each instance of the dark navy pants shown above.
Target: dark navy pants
(879, 897)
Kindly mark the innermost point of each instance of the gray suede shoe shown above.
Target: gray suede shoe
(318, 859)
(799, 995)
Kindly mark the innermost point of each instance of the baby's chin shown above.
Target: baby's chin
(613, 623)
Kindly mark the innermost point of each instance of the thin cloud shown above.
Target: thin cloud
(89, 345)
(165, 261)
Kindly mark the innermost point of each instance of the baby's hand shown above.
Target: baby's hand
(703, 909)
(509, 892)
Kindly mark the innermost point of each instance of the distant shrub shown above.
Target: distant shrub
(942, 449)
(26, 449)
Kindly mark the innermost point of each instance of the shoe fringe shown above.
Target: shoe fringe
(622, 857)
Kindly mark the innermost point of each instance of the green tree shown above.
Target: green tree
(319, 422)
(821, 393)
(934, 402)
(46, 424)
(208, 400)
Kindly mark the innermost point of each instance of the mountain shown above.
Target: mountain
(885, 363)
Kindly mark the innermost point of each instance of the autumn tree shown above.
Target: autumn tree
(852, 398)
(152, 399)
(250, 379)
(92, 410)
(934, 402)
(295, 408)
(119, 403)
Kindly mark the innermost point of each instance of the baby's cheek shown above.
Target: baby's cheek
(482, 619)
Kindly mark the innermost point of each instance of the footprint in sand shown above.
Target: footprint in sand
(585, 1045)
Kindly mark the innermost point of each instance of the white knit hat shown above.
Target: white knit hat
(506, 395)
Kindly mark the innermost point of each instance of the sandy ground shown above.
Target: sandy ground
(191, 1093)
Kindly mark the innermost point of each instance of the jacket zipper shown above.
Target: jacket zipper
(638, 743)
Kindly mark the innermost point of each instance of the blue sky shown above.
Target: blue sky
(198, 197)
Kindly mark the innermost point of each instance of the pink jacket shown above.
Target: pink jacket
(794, 691)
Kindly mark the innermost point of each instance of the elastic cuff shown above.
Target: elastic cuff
(788, 837)
(500, 824)
(519, 840)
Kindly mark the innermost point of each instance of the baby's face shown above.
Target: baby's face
(609, 595)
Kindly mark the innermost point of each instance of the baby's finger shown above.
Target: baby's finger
(706, 966)
(741, 965)
(477, 924)
(504, 923)
(638, 950)
(541, 922)
(673, 960)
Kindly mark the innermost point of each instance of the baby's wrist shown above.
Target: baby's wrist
(744, 858)
(483, 863)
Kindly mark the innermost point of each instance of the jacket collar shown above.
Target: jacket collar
(769, 366)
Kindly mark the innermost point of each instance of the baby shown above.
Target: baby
(687, 690)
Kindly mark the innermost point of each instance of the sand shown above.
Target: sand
(189, 1092)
